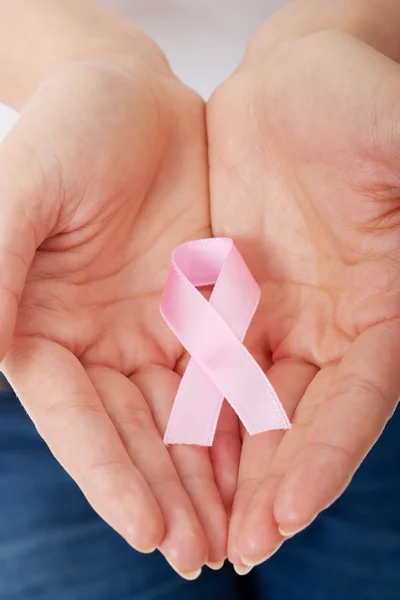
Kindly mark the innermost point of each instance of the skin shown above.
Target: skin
(304, 176)
(97, 199)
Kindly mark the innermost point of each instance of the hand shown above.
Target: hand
(304, 156)
(103, 175)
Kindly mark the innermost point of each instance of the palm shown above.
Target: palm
(90, 357)
(303, 176)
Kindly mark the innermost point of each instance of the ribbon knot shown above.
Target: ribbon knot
(212, 332)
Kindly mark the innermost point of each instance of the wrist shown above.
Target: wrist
(38, 38)
(376, 22)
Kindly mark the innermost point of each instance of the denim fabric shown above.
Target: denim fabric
(54, 547)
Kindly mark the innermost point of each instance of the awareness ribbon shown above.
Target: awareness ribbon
(212, 332)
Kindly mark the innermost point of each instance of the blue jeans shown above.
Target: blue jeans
(54, 547)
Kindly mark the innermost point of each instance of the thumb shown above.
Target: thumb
(357, 406)
(25, 220)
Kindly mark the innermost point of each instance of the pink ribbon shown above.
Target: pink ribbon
(212, 332)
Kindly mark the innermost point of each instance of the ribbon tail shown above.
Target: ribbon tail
(195, 411)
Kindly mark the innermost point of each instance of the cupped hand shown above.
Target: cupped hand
(304, 175)
(103, 175)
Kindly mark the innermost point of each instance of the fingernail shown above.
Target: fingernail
(242, 570)
(251, 562)
(215, 566)
(149, 550)
(291, 532)
(188, 575)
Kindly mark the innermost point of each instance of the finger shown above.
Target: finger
(244, 487)
(59, 397)
(226, 448)
(183, 544)
(225, 455)
(360, 400)
(253, 533)
(159, 387)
